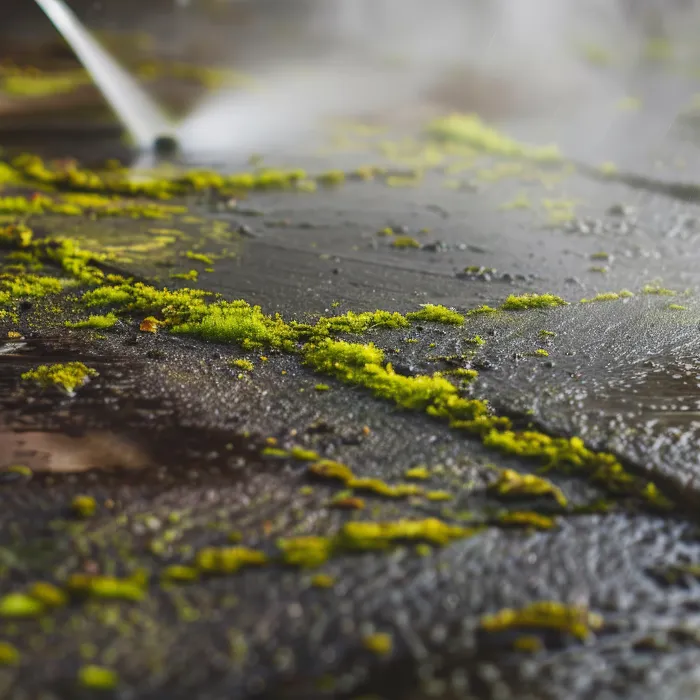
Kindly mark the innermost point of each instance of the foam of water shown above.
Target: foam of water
(140, 115)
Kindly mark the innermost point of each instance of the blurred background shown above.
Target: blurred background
(494, 57)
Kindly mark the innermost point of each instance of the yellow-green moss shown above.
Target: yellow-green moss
(20, 605)
(68, 377)
(99, 322)
(239, 322)
(322, 387)
(106, 587)
(528, 643)
(405, 242)
(438, 496)
(484, 309)
(469, 129)
(378, 643)
(421, 473)
(381, 535)
(306, 551)
(576, 621)
(677, 307)
(97, 678)
(199, 257)
(532, 301)
(657, 290)
(9, 655)
(243, 364)
(527, 519)
(332, 177)
(323, 581)
(340, 472)
(609, 296)
(48, 594)
(303, 455)
(84, 506)
(180, 574)
(540, 352)
(227, 560)
(436, 314)
(190, 276)
(359, 323)
(512, 484)
(464, 374)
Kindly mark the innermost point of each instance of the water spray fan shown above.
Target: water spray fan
(143, 119)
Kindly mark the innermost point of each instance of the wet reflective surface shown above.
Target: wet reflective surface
(183, 452)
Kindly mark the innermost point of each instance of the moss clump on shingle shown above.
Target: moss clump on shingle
(68, 377)
(532, 301)
(436, 314)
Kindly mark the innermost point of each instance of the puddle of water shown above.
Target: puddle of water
(56, 452)
(109, 425)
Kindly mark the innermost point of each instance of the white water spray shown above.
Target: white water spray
(140, 115)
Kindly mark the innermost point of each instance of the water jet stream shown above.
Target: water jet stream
(139, 114)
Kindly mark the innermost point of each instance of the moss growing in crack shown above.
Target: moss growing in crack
(382, 535)
(323, 581)
(527, 519)
(180, 574)
(15, 606)
(346, 501)
(609, 296)
(328, 469)
(27, 286)
(436, 314)
(540, 352)
(97, 678)
(359, 323)
(404, 242)
(576, 621)
(438, 496)
(106, 587)
(189, 276)
(84, 506)
(174, 305)
(9, 655)
(512, 484)
(239, 322)
(243, 364)
(303, 455)
(420, 473)
(379, 643)
(199, 257)
(227, 560)
(96, 322)
(48, 594)
(336, 471)
(483, 309)
(470, 130)
(363, 364)
(331, 178)
(307, 551)
(532, 301)
(464, 374)
(677, 307)
(657, 290)
(67, 377)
